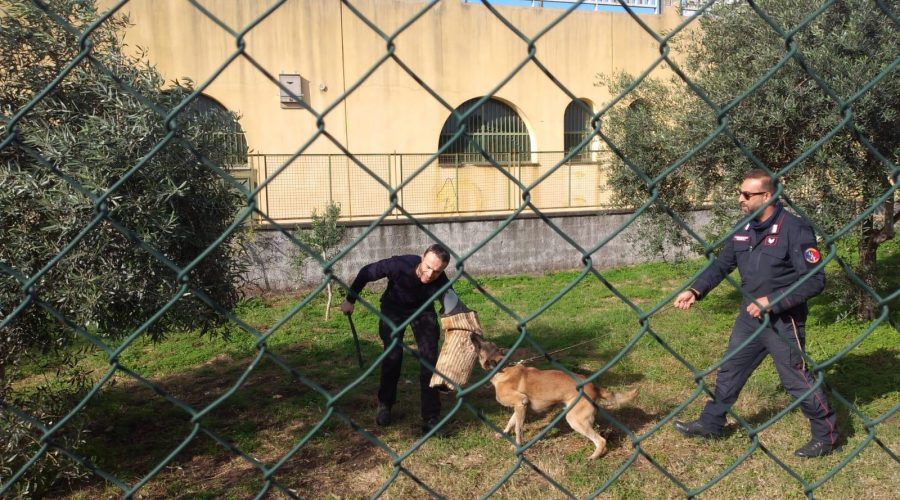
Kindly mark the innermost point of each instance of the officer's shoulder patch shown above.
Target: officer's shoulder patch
(812, 255)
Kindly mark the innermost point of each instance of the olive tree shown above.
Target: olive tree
(104, 201)
(324, 236)
(833, 141)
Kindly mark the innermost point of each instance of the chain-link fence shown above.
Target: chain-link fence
(398, 181)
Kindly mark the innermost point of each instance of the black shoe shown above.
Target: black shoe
(431, 423)
(383, 417)
(815, 448)
(695, 429)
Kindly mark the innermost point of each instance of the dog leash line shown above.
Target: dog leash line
(521, 361)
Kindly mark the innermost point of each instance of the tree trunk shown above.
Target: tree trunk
(328, 304)
(868, 247)
(872, 237)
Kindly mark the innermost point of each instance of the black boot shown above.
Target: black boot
(431, 423)
(695, 429)
(383, 417)
(815, 448)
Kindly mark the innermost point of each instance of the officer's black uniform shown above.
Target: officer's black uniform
(404, 294)
(770, 256)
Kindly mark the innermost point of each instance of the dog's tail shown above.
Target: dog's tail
(615, 399)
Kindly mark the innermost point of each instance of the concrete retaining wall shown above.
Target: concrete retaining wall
(525, 246)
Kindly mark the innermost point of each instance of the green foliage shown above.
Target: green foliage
(325, 234)
(647, 131)
(324, 237)
(55, 393)
(102, 131)
(846, 47)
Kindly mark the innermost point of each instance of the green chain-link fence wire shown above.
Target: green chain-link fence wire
(31, 297)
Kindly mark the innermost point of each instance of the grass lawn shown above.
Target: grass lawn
(274, 417)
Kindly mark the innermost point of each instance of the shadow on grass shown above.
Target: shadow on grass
(135, 428)
(852, 376)
(852, 379)
(631, 417)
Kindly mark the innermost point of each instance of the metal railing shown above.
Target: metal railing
(584, 4)
(456, 184)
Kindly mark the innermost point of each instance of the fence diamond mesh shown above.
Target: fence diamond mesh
(194, 422)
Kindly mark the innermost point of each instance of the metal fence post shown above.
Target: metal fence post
(349, 193)
(456, 188)
(266, 177)
(518, 165)
(330, 182)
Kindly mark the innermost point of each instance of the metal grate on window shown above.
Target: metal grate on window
(494, 127)
(577, 126)
(232, 137)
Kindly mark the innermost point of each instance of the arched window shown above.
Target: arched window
(233, 137)
(577, 126)
(495, 126)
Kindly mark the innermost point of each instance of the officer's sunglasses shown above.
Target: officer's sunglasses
(747, 195)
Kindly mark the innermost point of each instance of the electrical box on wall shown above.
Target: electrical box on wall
(294, 83)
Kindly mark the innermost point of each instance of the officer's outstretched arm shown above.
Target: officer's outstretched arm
(685, 300)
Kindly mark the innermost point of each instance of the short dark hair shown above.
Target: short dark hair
(758, 173)
(439, 251)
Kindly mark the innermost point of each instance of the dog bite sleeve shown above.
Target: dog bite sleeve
(458, 354)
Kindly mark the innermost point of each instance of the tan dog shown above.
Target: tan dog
(520, 387)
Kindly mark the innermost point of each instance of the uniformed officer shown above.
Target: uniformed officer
(412, 281)
(772, 253)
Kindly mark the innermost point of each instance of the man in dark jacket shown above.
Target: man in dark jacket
(772, 253)
(413, 280)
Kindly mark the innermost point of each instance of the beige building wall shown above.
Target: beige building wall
(461, 51)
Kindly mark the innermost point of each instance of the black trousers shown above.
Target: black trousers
(426, 331)
(783, 340)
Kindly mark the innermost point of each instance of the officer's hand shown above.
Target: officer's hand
(755, 311)
(685, 300)
(347, 307)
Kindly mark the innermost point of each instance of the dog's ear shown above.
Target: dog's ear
(476, 340)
